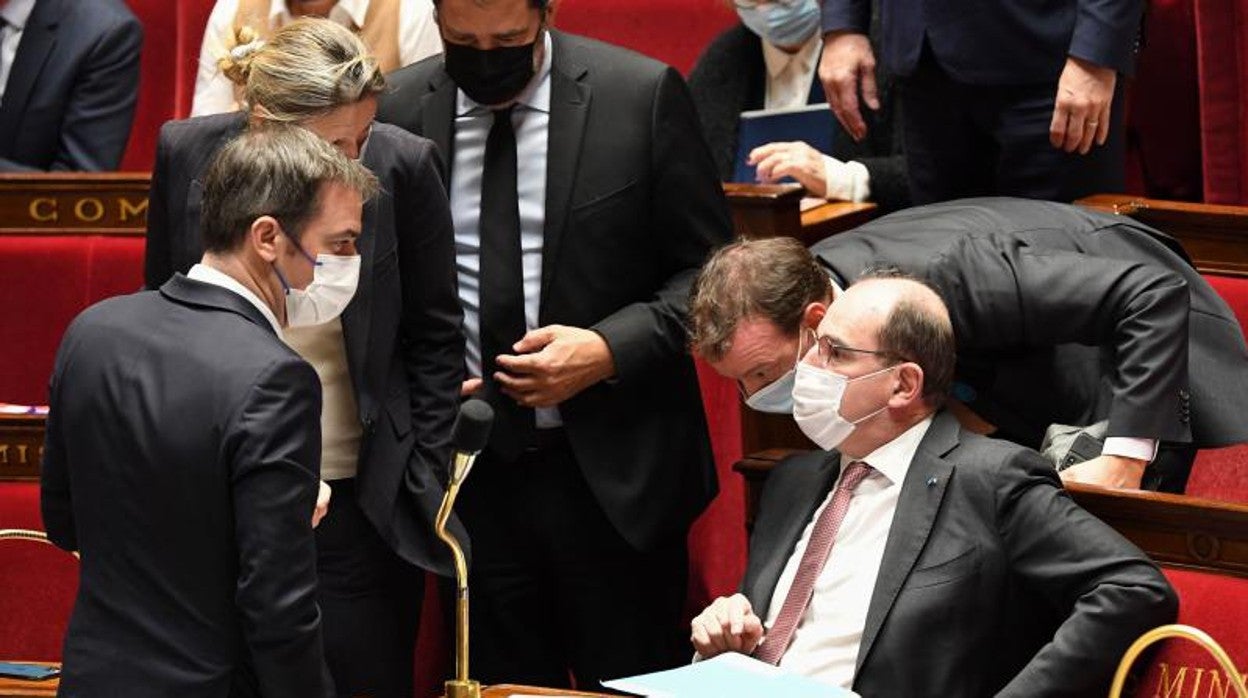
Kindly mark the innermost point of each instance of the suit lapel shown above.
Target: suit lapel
(919, 503)
(38, 41)
(437, 119)
(356, 319)
(569, 108)
(805, 488)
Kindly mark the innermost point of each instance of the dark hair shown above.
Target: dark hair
(774, 278)
(914, 331)
(535, 4)
(274, 170)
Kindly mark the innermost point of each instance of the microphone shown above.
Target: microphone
(468, 436)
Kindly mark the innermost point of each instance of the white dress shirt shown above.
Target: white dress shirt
(531, 120)
(208, 275)
(15, 14)
(789, 79)
(826, 641)
(214, 93)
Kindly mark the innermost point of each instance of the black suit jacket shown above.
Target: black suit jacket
(402, 329)
(72, 89)
(730, 77)
(182, 455)
(1069, 316)
(1000, 42)
(633, 206)
(993, 582)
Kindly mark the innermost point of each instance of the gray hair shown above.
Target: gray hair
(277, 171)
(305, 69)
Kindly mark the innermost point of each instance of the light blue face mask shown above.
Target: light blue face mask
(776, 397)
(782, 23)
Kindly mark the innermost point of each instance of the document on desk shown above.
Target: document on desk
(730, 675)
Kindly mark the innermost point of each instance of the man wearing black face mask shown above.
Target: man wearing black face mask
(584, 200)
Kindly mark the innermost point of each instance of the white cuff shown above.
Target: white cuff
(1130, 447)
(846, 181)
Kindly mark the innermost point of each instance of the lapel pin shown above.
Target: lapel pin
(931, 482)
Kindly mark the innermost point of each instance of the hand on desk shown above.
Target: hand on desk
(727, 625)
(552, 364)
(1107, 471)
(795, 159)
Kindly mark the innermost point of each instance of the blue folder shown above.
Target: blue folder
(814, 123)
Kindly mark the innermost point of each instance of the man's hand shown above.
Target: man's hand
(1107, 471)
(322, 504)
(848, 63)
(727, 625)
(470, 387)
(791, 159)
(1085, 93)
(552, 364)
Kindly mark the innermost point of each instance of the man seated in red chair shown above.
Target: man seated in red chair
(1094, 323)
(912, 557)
(183, 442)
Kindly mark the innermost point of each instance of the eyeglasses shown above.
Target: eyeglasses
(830, 353)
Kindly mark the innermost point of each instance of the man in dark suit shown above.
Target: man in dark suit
(1061, 316)
(183, 445)
(69, 79)
(917, 558)
(584, 200)
(1002, 98)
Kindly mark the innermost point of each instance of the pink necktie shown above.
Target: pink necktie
(813, 560)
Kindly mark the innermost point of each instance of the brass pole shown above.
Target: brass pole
(1187, 632)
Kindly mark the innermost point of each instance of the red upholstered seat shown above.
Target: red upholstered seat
(39, 582)
(1223, 473)
(48, 280)
(1218, 605)
(672, 31)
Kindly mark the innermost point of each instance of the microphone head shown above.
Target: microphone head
(472, 426)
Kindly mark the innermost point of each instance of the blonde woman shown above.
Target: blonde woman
(390, 368)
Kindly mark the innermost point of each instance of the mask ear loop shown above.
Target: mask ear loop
(282, 277)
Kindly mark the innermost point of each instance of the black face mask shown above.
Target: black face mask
(490, 77)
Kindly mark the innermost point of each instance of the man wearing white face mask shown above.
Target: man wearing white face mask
(769, 62)
(917, 558)
(184, 447)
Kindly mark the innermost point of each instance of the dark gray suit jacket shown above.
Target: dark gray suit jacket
(182, 455)
(993, 581)
(405, 345)
(730, 77)
(71, 92)
(1069, 316)
(633, 206)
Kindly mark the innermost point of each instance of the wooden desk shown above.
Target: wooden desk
(21, 446)
(771, 210)
(72, 202)
(18, 688)
(503, 690)
(1215, 236)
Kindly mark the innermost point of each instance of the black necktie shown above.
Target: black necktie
(502, 284)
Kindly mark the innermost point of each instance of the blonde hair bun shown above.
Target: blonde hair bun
(236, 64)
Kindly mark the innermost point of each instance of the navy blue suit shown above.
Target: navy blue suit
(979, 80)
(70, 97)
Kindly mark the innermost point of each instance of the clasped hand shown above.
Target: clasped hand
(727, 625)
(553, 363)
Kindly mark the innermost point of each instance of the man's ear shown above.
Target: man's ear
(813, 314)
(909, 387)
(262, 237)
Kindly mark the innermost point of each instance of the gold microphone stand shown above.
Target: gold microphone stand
(461, 686)
(1196, 635)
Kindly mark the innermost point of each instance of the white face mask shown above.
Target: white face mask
(817, 396)
(776, 397)
(334, 280)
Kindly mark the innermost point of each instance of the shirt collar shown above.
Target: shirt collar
(803, 60)
(355, 10)
(17, 12)
(216, 277)
(893, 459)
(534, 96)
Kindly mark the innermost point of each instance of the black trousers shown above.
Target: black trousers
(966, 140)
(370, 603)
(556, 592)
